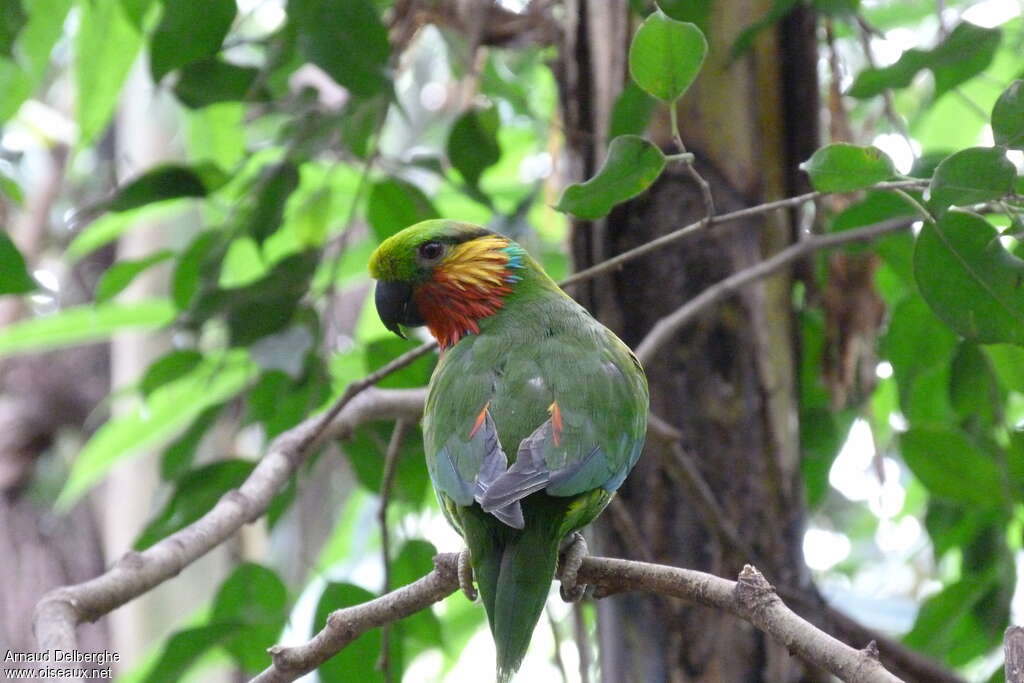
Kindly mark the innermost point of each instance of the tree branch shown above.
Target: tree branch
(61, 610)
(751, 598)
(1014, 652)
(616, 261)
(665, 328)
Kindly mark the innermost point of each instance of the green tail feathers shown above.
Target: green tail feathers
(513, 570)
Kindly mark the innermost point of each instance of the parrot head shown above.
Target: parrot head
(445, 275)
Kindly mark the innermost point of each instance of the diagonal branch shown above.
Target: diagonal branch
(750, 598)
(665, 328)
(61, 610)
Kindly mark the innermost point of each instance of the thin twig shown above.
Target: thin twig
(665, 328)
(682, 468)
(582, 641)
(659, 242)
(557, 658)
(865, 31)
(386, 484)
(751, 598)
(705, 188)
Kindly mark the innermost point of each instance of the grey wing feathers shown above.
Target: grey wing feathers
(527, 475)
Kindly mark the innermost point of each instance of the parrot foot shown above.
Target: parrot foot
(574, 549)
(466, 576)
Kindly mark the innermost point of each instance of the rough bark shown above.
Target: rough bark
(727, 383)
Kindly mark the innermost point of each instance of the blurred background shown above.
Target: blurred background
(190, 190)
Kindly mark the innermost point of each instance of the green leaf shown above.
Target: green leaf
(945, 620)
(696, 11)
(346, 39)
(280, 403)
(169, 367)
(266, 201)
(971, 176)
(12, 20)
(366, 450)
(954, 525)
(950, 465)
(178, 456)
(877, 206)
(121, 274)
(969, 279)
(167, 181)
(395, 204)
(1008, 117)
(10, 188)
(382, 351)
(191, 265)
(311, 217)
(109, 227)
(166, 412)
(14, 276)
(106, 45)
(33, 47)
(189, 30)
(1008, 364)
(632, 165)
(137, 10)
(213, 80)
(362, 117)
(83, 324)
(256, 597)
(666, 55)
(414, 560)
(195, 494)
(357, 662)
(966, 52)
(973, 389)
(632, 111)
(837, 8)
(842, 167)
(184, 649)
(473, 143)
(920, 348)
(261, 307)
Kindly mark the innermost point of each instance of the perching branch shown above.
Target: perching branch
(750, 598)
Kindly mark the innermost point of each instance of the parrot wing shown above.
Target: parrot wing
(575, 406)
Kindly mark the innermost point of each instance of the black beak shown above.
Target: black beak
(396, 307)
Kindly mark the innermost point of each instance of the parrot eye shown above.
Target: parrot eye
(431, 251)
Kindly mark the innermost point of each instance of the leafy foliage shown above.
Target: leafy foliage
(632, 165)
(307, 138)
(842, 167)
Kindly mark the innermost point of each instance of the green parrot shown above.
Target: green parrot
(526, 374)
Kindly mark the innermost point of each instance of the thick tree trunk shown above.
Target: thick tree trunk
(728, 380)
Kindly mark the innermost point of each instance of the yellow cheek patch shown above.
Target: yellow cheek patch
(478, 263)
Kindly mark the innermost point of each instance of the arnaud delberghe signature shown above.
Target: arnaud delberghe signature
(53, 656)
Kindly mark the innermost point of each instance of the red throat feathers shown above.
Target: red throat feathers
(470, 284)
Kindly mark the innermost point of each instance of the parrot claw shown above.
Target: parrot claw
(573, 551)
(466, 576)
